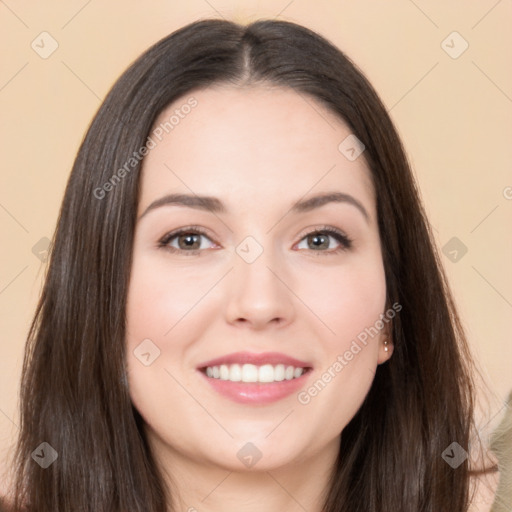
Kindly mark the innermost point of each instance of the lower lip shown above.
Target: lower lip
(255, 392)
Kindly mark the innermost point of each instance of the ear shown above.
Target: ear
(386, 345)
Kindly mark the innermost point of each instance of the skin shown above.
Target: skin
(258, 149)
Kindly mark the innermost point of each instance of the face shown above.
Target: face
(251, 319)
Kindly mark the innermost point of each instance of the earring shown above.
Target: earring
(386, 348)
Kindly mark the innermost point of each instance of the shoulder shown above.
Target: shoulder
(484, 484)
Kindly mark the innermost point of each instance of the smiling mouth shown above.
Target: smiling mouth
(250, 373)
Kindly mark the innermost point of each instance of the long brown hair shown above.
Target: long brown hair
(73, 391)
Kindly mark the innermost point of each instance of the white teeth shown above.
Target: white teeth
(266, 373)
(249, 373)
(279, 372)
(235, 373)
(224, 372)
(252, 373)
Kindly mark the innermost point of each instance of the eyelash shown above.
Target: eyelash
(344, 240)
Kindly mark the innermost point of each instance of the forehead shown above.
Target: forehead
(248, 145)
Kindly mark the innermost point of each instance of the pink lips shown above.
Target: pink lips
(256, 359)
(254, 392)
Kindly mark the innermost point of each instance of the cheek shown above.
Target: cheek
(349, 299)
(155, 305)
(159, 309)
(161, 299)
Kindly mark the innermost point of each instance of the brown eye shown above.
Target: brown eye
(185, 240)
(320, 241)
(189, 241)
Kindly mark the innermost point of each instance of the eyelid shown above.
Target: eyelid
(185, 229)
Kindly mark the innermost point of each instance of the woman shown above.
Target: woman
(244, 308)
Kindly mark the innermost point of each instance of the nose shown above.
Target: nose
(259, 294)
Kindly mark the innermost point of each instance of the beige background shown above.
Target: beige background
(454, 114)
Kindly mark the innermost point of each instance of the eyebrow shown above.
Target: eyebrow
(215, 205)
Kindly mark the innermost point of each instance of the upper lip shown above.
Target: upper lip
(256, 359)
